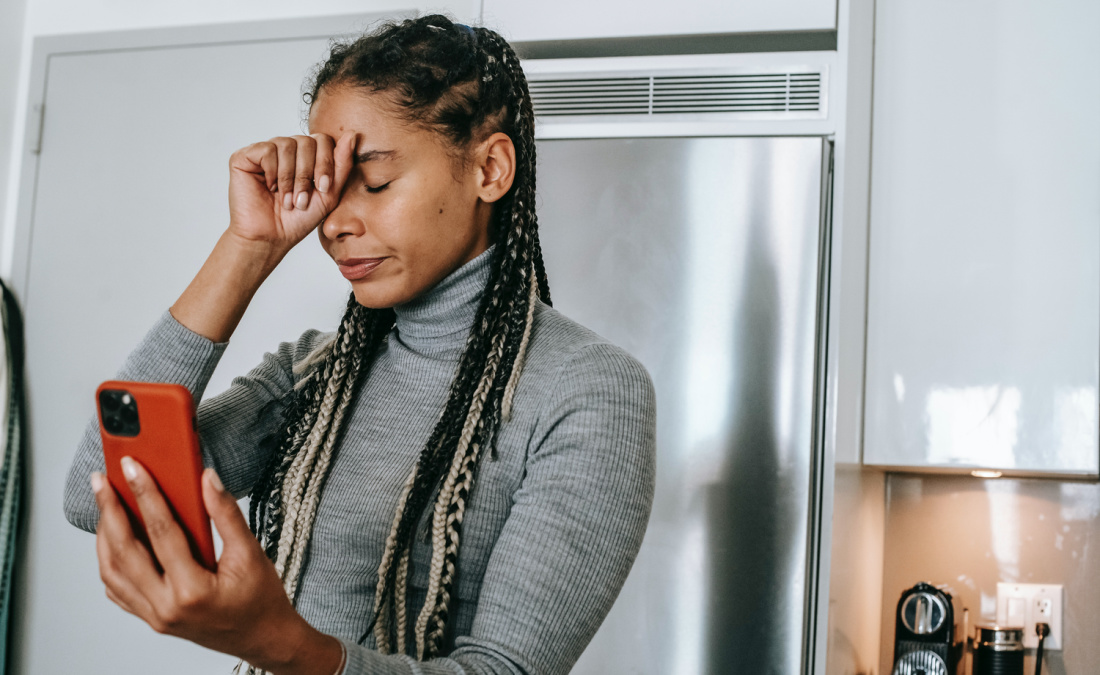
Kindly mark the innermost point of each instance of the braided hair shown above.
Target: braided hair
(465, 84)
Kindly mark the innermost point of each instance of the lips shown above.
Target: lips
(354, 269)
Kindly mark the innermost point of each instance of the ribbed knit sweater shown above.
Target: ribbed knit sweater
(552, 525)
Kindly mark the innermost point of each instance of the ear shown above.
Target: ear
(496, 167)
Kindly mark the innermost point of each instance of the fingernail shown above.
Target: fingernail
(322, 184)
(273, 188)
(288, 201)
(216, 482)
(302, 200)
(129, 468)
(97, 481)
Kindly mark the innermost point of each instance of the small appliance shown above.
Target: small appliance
(925, 631)
(998, 650)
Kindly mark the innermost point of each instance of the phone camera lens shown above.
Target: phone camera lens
(119, 412)
(110, 401)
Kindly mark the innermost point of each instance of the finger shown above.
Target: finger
(324, 168)
(119, 601)
(165, 535)
(259, 159)
(303, 171)
(266, 155)
(226, 515)
(125, 565)
(342, 159)
(287, 151)
(120, 590)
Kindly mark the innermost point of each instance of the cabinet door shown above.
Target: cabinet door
(573, 19)
(984, 293)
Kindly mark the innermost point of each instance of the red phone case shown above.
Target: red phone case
(167, 445)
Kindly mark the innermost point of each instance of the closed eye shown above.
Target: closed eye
(377, 189)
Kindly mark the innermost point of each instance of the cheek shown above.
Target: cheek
(453, 209)
(401, 218)
(420, 214)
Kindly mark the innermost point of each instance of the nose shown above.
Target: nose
(341, 222)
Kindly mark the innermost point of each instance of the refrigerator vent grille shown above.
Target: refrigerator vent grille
(782, 92)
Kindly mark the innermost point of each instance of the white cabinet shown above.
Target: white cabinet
(579, 19)
(983, 332)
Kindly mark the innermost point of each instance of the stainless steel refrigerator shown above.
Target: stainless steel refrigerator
(703, 258)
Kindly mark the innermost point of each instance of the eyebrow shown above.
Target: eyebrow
(372, 155)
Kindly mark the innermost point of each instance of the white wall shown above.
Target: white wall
(52, 17)
(46, 17)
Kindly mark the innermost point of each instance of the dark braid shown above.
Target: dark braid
(266, 505)
(463, 84)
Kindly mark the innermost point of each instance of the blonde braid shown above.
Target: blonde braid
(400, 599)
(303, 465)
(302, 437)
(517, 366)
(313, 493)
(319, 354)
(439, 531)
(381, 601)
(454, 518)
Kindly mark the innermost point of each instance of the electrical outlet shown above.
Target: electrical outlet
(1029, 604)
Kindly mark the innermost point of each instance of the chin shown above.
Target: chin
(373, 300)
(374, 297)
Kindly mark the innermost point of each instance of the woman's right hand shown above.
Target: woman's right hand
(240, 608)
(263, 226)
(280, 189)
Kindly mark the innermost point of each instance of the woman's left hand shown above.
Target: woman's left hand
(241, 609)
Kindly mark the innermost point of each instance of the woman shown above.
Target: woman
(459, 475)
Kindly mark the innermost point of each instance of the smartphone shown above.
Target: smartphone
(155, 424)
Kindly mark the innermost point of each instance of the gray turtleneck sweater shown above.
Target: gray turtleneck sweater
(552, 525)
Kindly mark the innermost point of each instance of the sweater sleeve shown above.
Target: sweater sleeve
(231, 424)
(575, 528)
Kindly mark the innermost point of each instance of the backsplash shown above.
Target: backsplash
(970, 533)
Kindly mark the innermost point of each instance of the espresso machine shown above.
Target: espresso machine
(924, 635)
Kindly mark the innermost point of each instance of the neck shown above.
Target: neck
(441, 317)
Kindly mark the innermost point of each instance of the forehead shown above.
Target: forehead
(375, 116)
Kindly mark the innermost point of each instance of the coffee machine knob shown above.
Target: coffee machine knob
(923, 613)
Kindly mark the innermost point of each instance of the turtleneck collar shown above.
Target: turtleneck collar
(441, 318)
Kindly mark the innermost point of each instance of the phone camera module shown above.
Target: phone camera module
(119, 412)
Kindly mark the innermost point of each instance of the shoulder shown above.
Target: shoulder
(307, 346)
(289, 361)
(305, 353)
(571, 360)
(590, 400)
